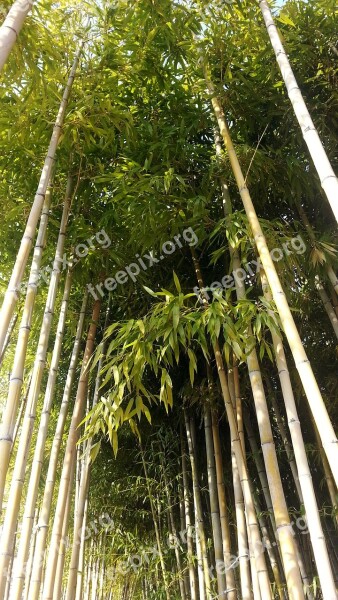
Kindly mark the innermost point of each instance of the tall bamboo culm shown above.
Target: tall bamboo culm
(11, 27)
(282, 519)
(316, 402)
(229, 574)
(36, 467)
(18, 477)
(199, 519)
(304, 474)
(13, 289)
(252, 523)
(82, 495)
(16, 377)
(186, 499)
(43, 523)
(69, 457)
(214, 506)
(327, 177)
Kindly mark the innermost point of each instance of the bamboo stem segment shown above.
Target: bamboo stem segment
(13, 290)
(316, 402)
(11, 27)
(328, 179)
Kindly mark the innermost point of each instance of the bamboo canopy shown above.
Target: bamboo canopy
(168, 331)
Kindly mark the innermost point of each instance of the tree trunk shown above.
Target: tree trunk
(16, 378)
(13, 289)
(43, 524)
(69, 458)
(11, 27)
(317, 405)
(328, 180)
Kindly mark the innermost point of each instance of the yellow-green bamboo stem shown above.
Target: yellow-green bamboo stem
(18, 478)
(214, 506)
(69, 457)
(252, 523)
(199, 520)
(304, 474)
(62, 549)
(242, 531)
(16, 378)
(36, 467)
(288, 448)
(316, 403)
(282, 519)
(328, 180)
(327, 305)
(173, 530)
(13, 289)
(81, 566)
(82, 492)
(156, 527)
(29, 564)
(11, 27)
(230, 575)
(8, 337)
(186, 498)
(43, 523)
(332, 489)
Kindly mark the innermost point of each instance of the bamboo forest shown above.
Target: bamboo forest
(169, 320)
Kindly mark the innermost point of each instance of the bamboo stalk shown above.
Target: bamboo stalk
(316, 403)
(327, 305)
(214, 506)
(328, 180)
(43, 523)
(29, 565)
(13, 289)
(81, 565)
(16, 378)
(82, 493)
(327, 474)
(230, 576)
(304, 473)
(36, 467)
(173, 531)
(11, 27)
(69, 457)
(64, 540)
(201, 538)
(15, 492)
(8, 337)
(190, 548)
(242, 530)
(252, 523)
(282, 519)
(156, 527)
